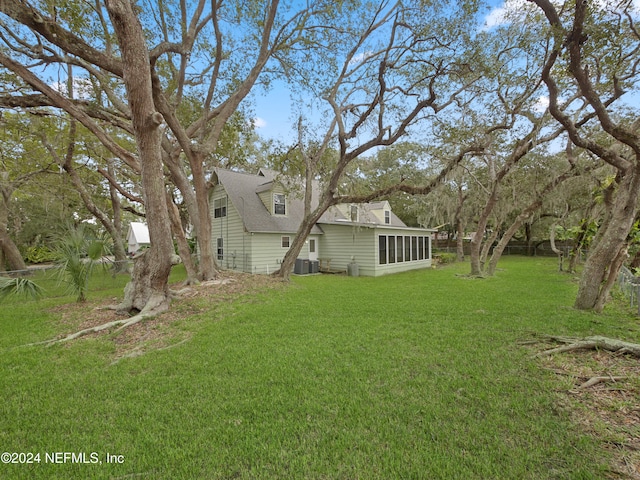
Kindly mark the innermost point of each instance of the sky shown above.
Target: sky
(276, 116)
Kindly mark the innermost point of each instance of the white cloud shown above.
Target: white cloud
(259, 122)
(360, 58)
(511, 10)
(82, 88)
(496, 17)
(542, 104)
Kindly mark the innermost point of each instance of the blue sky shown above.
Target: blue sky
(275, 112)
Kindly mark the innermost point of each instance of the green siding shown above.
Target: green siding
(404, 265)
(342, 242)
(267, 252)
(262, 253)
(237, 243)
(267, 200)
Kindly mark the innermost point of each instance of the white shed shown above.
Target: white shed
(137, 237)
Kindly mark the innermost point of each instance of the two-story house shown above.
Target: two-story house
(255, 218)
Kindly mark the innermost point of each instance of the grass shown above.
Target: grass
(415, 375)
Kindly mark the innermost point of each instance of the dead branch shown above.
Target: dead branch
(592, 343)
(596, 380)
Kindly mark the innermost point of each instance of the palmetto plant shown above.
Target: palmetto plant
(19, 287)
(77, 253)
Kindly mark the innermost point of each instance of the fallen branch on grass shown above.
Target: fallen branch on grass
(596, 380)
(592, 343)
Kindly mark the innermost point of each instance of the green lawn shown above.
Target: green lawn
(416, 375)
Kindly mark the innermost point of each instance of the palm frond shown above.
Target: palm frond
(21, 287)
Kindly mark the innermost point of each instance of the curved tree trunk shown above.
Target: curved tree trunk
(183, 246)
(118, 245)
(460, 225)
(593, 289)
(552, 241)
(208, 268)
(120, 254)
(611, 278)
(576, 251)
(298, 242)
(487, 246)
(460, 243)
(11, 254)
(148, 290)
(476, 241)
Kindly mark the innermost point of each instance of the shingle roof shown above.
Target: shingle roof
(365, 216)
(243, 189)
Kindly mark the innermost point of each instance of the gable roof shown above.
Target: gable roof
(139, 231)
(243, 189)
(366, 215)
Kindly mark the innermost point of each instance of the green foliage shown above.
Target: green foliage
(446, 257)
(584, 233)
(19, 287)
(39, 254)
(77, 253)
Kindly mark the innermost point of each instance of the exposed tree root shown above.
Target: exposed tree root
(154, 307)
(592, 343)
(80, 333)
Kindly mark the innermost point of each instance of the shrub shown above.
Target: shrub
(39, 254)
(445, 257)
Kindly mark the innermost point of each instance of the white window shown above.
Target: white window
(220, 208)
(353, 212)
(279, 204)
(220, 248)
(286, 242)
(387, 217)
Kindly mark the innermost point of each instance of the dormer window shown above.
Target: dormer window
(279, 204)
(387, 217)
(354, 213)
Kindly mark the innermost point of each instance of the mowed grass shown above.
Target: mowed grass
(417, 375)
